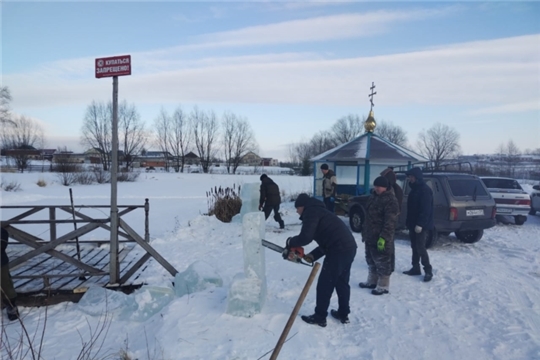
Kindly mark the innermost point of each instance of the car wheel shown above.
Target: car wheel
(520, 219)
(431, 238)
(470, 236)
(356, 219)
(532, 212)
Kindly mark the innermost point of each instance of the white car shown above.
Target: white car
(510, 197)
(535, 200)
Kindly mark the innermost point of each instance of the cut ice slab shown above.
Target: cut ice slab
(249, 194)
(98, 301)
(197, 277)
(246, 296)
(150, 300)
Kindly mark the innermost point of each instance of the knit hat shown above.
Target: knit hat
(263, 176)
(324, 167)
(381, 181)
(301, 200)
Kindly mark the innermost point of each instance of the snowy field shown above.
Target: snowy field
(483, 302)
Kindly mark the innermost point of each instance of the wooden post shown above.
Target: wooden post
(294, 313)
(146, 221)
(52, 218)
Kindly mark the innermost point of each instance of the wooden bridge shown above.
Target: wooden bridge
(67, 263)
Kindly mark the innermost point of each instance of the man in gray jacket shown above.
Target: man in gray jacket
(329, 185)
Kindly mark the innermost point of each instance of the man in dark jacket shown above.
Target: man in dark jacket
(382, 212)
(329, 185)
(419, 222)
(270, 199)
(8, 295)
(335, 242)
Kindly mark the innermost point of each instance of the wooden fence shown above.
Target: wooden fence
(32, 216)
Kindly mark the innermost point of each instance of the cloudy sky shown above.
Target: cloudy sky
(291, 68)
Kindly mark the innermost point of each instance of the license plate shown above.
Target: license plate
(475, 212)
(503, 210)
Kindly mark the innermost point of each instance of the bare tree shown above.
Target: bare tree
(179, 137)
(5, 99)
(162, 125)
(510, 154)
(205, 132)
(439, 143)
(96, 130)
(132, 134)
(347, 128)
(238, 140)
(22, 140)
(321, 142)
(393, 133)
(292, 153)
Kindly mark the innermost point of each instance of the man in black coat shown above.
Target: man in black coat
(419, 222)
(270, 199)
(338, 245)
(8, 295)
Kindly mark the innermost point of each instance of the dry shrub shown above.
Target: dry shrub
(41, 183)
(224, 203)
(101, 176)
(125, 176)
(11, 186)
(84, 178)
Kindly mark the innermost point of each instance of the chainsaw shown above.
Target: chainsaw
(295, 254)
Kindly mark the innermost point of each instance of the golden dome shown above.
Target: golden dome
(370, 123)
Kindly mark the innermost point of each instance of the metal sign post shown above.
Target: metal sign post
(106, 67)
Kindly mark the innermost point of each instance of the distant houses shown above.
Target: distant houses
(147, 159)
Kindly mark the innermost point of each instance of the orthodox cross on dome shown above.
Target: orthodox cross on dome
(371, 95)
(370, 123)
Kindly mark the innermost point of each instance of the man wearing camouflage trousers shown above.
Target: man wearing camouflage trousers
(382, 211)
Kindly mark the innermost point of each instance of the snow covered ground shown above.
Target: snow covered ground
(483, 302)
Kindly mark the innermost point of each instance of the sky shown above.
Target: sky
(483, 302)
(290, 68)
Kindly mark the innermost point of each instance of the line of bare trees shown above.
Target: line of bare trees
(96, 131)
(232, 137)
(175, 134)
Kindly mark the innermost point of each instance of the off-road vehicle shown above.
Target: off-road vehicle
(462, 204)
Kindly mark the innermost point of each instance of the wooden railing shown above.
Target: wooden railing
(40, 246)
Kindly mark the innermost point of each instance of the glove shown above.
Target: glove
(285, 254)
(417, 229)
(309, 258)
(380, 244)
(287, 243)
(332, 199)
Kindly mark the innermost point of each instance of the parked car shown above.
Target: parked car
(535, 200)
(510, 197)
(462, 204)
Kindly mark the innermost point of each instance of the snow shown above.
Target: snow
(483, 302)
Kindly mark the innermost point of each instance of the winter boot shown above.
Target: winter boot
(371, 282)
(428, 276)
(281, 225)
(383, 286)
(314, 319)
(336, 315)
(12, 312)
(413, 271)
